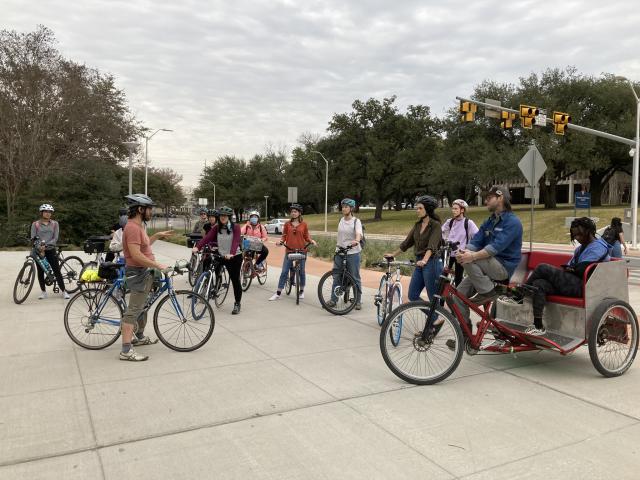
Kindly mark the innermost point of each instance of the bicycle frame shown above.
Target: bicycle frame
(343, 271)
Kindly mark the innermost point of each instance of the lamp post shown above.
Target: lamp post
(146, 154)
(326, 188)
(266, 208)
(214, 190)
(132, 147)
(634, 172)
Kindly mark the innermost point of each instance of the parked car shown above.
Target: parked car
(276, 225)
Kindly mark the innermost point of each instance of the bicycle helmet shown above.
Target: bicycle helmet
(139, 200)
(212, 212)
(296, 206)
(202, 210)
(254, 213)
(461, 203)
(348, 201)
(228, 211)
(45, 207)
(428, 202)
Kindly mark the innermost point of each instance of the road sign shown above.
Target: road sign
(583, 200)
(532, 165)
(203, 201)
(292, 194)
(541, 118)
(489, 112)
(527, 192)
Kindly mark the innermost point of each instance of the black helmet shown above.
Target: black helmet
(296, 206)
(139, 200)
(228, 211)
(428, 201)
(212, 212)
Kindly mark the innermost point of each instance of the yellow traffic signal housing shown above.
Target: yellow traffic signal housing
(527, 111)
(507, 120)
(468, 111)
(560, 121)
(527, 122)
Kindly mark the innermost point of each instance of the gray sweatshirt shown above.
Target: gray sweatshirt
(48, 233)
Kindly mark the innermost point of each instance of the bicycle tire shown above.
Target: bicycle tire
(381, 306)
(346, 293)
(395, 300)
(262, 276)
(70, 269)
(411, 348)
(221, 287)
(195, 269)
(297, 280)
(290, 281)
(108, 332)
(246, 273)
(202, 286)
(181, 301)
(24, 282)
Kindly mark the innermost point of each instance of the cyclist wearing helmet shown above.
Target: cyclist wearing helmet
(198, 227)
(349, 235)
(48, 230)
(139, 259)
(459, 228)
(212, 219)
(253, 228)
(226, 235)
(295, 234)
(425, 238)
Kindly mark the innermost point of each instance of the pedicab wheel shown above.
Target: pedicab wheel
(613, 337)
(413, 359)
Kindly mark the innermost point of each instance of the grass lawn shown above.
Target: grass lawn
(548, 224)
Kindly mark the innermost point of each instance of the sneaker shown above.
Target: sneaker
(42, 296)
(65, 295)
(260, 267)
(301, 295)
(133, 356)
(358, 306)
(273, 297)
(138, 342)
(535, 331)
(236, 309)
(482, 298)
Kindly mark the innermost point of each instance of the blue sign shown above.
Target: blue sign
(583, 200)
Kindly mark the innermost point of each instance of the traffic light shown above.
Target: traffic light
(507, 119)
(468, 111)
(528, 115)
(560, 121)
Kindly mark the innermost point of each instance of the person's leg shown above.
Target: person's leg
(263, 255)
(416, 285)
(483, 273)
(431, 273)
(550, 280)
(286, 265)
(303, 274)
(616, 250)
(137, 281)
(337, 266)
(233, 266)
(142, 320)
(40, 272)
(109, 256)
(353, 266)
(458, 273)
(52, 258)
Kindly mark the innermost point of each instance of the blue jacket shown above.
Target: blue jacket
(596, 251)
(500, 235)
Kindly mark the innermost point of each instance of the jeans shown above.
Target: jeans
(353, 267)
(616, 250)
(426, 276)
(286, 266)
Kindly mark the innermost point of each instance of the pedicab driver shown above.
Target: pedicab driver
(494, 252)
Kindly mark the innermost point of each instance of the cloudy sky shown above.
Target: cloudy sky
(232, 77)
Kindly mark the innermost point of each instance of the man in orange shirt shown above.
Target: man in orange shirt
(139, 259)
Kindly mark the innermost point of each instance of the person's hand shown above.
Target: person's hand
(314, 243)
(464, 256)
(228, 257)
(194, 249)
(354, 243)
(420, 263)
(162, 266)
(279, 243)
(165, 234)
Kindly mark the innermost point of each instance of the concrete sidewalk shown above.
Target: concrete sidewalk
(293, 392)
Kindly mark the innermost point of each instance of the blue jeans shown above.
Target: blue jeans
(426, 276)
(616, 250)
(353, 267)
(286, 266)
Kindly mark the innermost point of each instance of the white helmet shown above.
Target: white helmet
(254, 212)
(45, 207)
(461, 203)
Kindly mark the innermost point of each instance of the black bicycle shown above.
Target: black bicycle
(295, 256)
(338, 291)
(70, 268)
(213, 283)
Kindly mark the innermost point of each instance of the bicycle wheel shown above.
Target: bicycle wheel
(342, 296)
(381, 300)
(291, 279)
(70, 269)
(175, 325)
(221, 287)
(92, 319)
(195, 269)
(246, 274)
(24, 282)
(613, 337)
(297, 280)
(201, 288)
(395, 300)
(262, 275)
(415, 360)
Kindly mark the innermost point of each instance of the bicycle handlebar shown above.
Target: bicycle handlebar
(296, 250)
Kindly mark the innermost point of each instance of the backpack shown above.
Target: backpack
(609, 235)
(363, 241)
(466, 227)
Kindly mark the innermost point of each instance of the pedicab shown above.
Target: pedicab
(423, 342)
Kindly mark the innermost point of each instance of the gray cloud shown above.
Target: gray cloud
(232, 77)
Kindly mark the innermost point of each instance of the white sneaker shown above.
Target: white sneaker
(65, 295)
(538, 332)
(275, 296)
(301, 295)
(42, 296)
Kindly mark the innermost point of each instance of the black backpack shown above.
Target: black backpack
(609, 235)
(363, 241)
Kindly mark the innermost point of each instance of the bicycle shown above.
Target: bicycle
(295, 256)
(205, 284)
(195, 262)
(95, 246)
(340, 295)
(70, 268)
(183, 320)
(252, 246)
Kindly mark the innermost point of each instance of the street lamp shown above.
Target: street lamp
(266, 208)
(326, 188)
(146, 154)
(634, 172)
(214, 190)
(131, 147)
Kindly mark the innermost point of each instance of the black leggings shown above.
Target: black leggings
(52, 257)
(552, 280)
(459, 270)
(233, 266)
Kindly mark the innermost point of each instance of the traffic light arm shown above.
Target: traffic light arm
(571, 126)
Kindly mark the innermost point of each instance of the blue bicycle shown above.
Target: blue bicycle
(183, 320)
